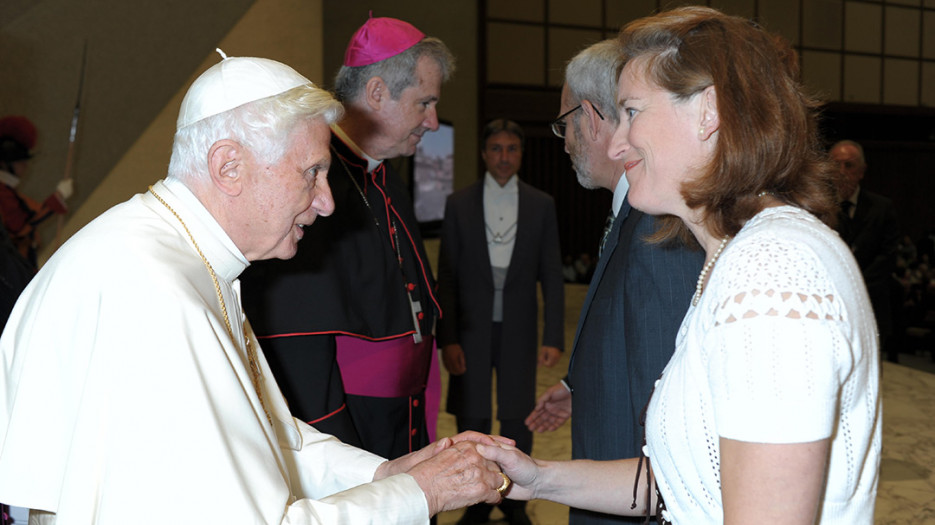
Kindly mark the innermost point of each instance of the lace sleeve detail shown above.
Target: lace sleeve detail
(775, 278)
(777, 351)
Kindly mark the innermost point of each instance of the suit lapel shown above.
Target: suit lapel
(613, 239)
(524, 214)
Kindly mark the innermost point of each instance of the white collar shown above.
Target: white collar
(9, 179)
(226, 259)
(491, 184)
(372, 163)
(623, 186)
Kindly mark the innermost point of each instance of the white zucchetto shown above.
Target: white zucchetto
(233, 82)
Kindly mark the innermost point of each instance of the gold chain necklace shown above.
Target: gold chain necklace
(251, 352)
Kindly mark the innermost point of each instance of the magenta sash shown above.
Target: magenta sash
(394, 368)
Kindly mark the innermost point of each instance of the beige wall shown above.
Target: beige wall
(285, 30)
(139, 54)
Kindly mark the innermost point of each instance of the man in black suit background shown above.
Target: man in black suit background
(868, 224)
(637, 297)
(499, 238)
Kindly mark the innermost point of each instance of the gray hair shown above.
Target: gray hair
(262, 126)
(592, 74)
(398, 72)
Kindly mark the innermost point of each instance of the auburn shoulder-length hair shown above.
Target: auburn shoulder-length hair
(768, 138)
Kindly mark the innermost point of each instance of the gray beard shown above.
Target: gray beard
(582, 167)
(585, 180)
(580, 161)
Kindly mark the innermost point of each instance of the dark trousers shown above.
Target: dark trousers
(514, 429)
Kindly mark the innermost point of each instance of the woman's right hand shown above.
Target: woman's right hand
(523, 470)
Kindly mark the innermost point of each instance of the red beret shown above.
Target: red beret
(18, 129)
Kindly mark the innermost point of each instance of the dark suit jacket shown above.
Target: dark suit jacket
(626, 335)
(873, 235)
(465, 282)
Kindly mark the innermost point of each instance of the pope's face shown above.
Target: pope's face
(285, 197)
(406, 119)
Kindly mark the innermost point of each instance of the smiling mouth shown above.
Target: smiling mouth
(630, 165)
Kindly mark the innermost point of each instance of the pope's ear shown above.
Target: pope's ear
(226, 166)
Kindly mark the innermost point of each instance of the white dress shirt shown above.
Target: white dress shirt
(501, 204)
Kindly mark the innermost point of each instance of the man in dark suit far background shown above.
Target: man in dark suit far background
(868, 224)
(499, 238)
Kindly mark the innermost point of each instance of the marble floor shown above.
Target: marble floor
(907, 474)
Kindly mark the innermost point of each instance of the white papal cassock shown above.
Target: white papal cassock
(124, 400)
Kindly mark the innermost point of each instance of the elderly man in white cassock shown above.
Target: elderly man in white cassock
(133, 389)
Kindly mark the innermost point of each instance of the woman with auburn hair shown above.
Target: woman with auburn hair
(769, 410)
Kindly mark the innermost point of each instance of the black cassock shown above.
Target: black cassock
(357, 273)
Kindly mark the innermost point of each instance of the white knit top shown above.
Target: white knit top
(782, 348)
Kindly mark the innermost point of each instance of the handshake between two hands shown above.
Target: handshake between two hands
(466, 469)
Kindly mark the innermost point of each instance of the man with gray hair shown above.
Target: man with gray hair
(348, 322)
(638, 294)
(134, 386)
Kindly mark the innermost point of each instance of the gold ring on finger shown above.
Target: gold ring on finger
(506, 484)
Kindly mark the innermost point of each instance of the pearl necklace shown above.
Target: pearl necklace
(707, 268)
(253, 361)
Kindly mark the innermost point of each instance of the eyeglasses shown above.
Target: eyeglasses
(559, 124)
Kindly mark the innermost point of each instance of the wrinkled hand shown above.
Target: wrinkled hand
(458, 476)
(552, 409)
(406, 463)
(484, 439)
(450, 471)
(522, 469)
(549, 356)
(453, 358)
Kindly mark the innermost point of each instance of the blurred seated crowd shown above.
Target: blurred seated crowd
(914, 300)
